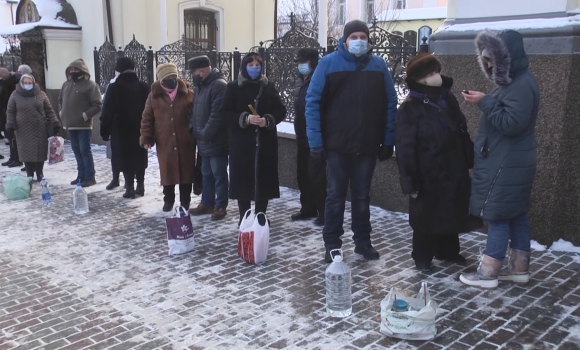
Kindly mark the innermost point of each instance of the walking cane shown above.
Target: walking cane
(257, 157)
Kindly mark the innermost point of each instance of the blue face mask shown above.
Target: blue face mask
(28, 87)
(304, 68)
(358, 47)
(254, 72)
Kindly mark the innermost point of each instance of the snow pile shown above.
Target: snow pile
(564, 246)
(48, 11)
(538, 247)
(536, 23)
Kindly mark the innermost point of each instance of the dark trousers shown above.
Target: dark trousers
(116, 170)
(169, 193)
(311, 176)
(139, 174)
(341, 171)
(260, 207)
(13, 149)
(80, 141)
(34, 167)
(427, 245)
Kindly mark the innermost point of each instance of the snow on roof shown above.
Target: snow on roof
(414, 14)
(48, 11)
(535, 23)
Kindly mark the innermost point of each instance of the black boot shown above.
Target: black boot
(113, 184)
(167, 207)
(129, 192)
(7, 163)
(140, 190)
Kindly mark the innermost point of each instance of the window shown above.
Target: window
(200, 28)
(340, 15)
(370, 10)
(400, 4)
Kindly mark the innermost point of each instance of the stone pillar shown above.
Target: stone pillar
(552, 40)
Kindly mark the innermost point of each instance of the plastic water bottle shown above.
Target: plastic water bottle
(80, 200)
(2, 183)
(338, 283)
(46, 196)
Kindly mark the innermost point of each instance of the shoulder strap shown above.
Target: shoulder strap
(363, 63)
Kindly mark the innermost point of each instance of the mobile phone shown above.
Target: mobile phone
(466, 92)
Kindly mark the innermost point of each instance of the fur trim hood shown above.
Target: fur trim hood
(506, 50)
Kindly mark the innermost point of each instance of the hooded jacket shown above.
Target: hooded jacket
(351, 110)
(79, 102)
(505, 146)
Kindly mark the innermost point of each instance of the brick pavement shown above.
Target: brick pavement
(104, 281)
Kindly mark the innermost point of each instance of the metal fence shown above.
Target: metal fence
(10, 61)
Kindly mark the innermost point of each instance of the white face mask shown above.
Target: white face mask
(432, 80)
(28, 87)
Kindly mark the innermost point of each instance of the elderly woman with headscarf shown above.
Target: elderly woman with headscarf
(165, 123)
(253, 135)
(28, 113)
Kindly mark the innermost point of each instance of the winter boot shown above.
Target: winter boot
(518, 266)
(113, 184)
(129, 191)
(486, 275)
(168, 206)
(140, 190)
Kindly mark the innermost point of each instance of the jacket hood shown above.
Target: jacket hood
(506, 51)
(242, 80)
(213, 75)
(79, 64)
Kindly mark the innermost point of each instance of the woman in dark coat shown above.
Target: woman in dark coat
(165, 123)
(248, 130)
(121, 122)
(28, 113)
(432, 146)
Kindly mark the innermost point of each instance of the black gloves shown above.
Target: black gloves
(385, 152)
(317, 153)
(55, 130)
(9, 133)
(105, 136)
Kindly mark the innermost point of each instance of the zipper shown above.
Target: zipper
(490, 188)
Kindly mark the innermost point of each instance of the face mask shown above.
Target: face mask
(433, 80)
(170, 83)
(76, 75)
(358, 47)
(304, 68)
(28, 87)
(197, 80)
(254, 72)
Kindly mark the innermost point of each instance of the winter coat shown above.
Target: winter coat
(302, 84)
(121, 120)
(207, 125)
(166, 124)
(29, 114)
(79, 101)
(433, 160)
(239, 94)
(505, 146)
(7, 87)
(351, 103)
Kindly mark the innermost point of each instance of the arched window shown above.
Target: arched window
(27, 12)
(200, 27)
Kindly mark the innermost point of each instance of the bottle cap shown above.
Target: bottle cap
(401, 305)
(337, 258)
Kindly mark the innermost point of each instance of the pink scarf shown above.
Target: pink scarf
(172, 93)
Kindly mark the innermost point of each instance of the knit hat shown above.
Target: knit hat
(198, 62)
(355, 26)
(123, 64)
(307, 54)
(165, 70)
(422, 65)
(4, 73)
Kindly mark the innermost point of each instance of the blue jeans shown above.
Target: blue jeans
(81, 145)
(214, 171)
(516, 231)
(342, 170)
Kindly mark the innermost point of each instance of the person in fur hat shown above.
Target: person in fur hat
(433, 156)
(505, 157)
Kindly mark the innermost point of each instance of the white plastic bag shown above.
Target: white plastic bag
(55, 149)
(179, 232)
(253, 238)
(418, 323)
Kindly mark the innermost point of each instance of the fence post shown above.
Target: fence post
(213, 59)
(424, 47)
(237, 62)
(97, 66)
(262, 53)
(120, 52)
(329, 49)
(150, 66)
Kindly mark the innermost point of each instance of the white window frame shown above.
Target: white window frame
(207, 6)
(340, 16)
(399, 4)
(370, 14)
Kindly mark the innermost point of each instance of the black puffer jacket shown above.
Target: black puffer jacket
(302, 84)
(7, 87)
(206, 124)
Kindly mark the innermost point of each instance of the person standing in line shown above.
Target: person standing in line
(311, 175)
(505, 158)
(115, 166)
(211, 133)
(121, 122)
(22, 69)
(253, 141)
(165, 123)
(8, 83)
(28, 113)
(350, 119)
(80, 101)
(434, 155)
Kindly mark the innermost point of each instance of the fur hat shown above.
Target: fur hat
(123, 64)
(306, 54)
(355, 26)
(198, 62)
(422, 65)
(165, 70)
(4, 73)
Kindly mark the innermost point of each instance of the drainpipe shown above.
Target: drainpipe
(110, 21)
(163, 21)
(275, 19)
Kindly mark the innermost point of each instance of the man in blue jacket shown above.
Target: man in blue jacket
(350, 116)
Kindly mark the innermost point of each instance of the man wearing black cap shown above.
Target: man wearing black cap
(211, 134)
(350, 116)
(311, 175)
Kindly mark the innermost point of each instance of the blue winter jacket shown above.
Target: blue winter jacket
(350, 110)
